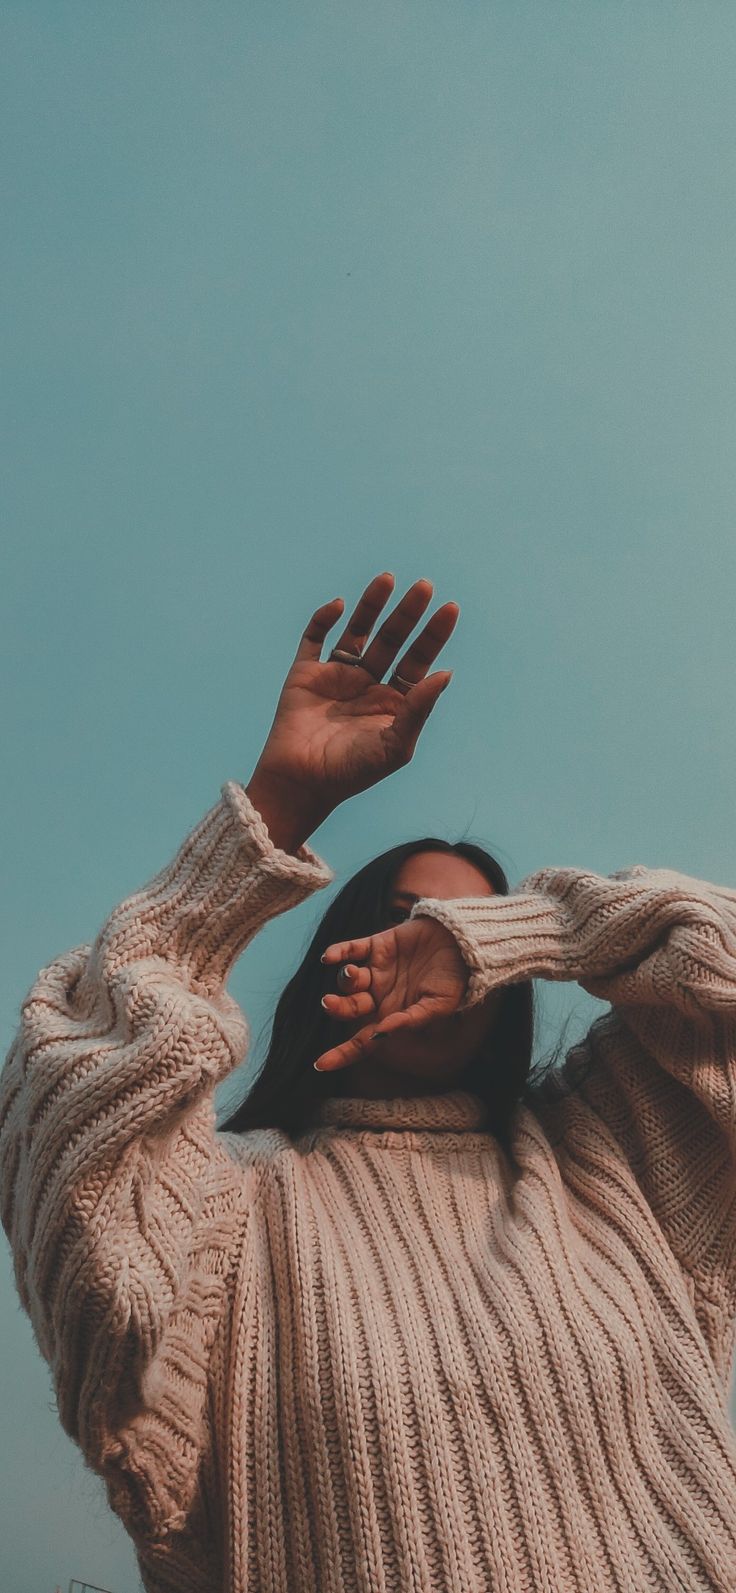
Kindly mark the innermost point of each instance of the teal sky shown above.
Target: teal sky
(296, 294)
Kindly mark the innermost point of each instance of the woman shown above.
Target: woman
(377, 1350)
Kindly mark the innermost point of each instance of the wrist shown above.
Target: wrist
(289, 814)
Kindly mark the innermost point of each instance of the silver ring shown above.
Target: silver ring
(343, 657)
(399, 681)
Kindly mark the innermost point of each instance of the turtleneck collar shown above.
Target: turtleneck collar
(453, 1111)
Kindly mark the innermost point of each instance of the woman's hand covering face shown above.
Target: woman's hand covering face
(402, 978)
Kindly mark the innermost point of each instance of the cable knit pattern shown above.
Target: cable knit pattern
(389, 1357)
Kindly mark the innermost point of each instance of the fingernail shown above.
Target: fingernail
(323, 1002)
(319, 1069)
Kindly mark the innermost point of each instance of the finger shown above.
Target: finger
(428, 645)
(416, 1016)
(365, 614)
(348, 950)
(342, 1056)
(413, 713)
(393, 633)
(351, 979)
(345, 1007)
(322, 621)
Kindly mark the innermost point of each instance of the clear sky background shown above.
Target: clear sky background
(296, 294)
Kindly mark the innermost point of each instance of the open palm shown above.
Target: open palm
(339, 728)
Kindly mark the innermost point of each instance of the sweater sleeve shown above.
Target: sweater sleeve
(124, 1211)
(660, 947)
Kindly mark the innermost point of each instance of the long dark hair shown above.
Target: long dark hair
(287, 1089)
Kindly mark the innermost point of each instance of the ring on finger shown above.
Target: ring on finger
(340, 656)
(399, 683)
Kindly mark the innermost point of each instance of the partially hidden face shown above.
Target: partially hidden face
(434, 1056)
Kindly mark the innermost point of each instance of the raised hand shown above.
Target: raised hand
(338, 727)
(401, 978)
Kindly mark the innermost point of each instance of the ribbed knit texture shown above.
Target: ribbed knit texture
(389, 1357)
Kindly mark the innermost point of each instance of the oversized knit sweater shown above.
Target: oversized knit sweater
(389, 1356)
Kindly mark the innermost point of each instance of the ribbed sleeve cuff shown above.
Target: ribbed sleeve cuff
(505, 940)
(600, 930)
(250, 880)
(303, 865)
(227, 879)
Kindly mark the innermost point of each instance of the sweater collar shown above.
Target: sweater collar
(453, 1111)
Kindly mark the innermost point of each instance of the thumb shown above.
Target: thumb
(418, 1016)
(419, 702)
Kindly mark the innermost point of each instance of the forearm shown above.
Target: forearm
(123, 1041)
(636, 937)
(124, 1031)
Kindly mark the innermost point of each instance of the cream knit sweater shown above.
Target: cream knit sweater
(387, 1358)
